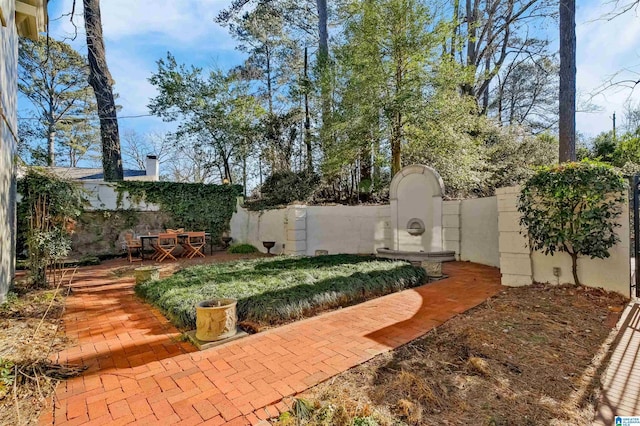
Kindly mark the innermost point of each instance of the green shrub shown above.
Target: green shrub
(279, 289)
(46, 218)
(242, 249)
(573, 208)
(285, 187)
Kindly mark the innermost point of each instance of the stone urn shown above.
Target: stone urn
(146, 273)
(268, 245)
(433, 268)
(216, 319)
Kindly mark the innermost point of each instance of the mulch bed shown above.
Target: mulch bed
(528, 356)
(29, 333)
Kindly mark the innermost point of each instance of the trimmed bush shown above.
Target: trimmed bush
(242, 249)
(276, 290)
(573, 208)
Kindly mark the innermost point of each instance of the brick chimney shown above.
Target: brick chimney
(153, 167)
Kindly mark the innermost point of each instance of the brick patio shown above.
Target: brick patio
(140, 373)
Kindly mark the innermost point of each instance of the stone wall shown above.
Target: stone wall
(8, 104)
(102, 232)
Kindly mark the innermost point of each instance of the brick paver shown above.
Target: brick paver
(140, 373)
(621, 380)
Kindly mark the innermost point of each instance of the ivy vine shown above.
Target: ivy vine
(193, 206)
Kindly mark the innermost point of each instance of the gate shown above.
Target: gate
(635, 249)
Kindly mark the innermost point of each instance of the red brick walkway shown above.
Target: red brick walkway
(138, 371)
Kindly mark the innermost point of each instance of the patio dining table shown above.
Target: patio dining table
(146, 242)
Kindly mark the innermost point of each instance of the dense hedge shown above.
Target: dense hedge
(193, 206)
(275, 290)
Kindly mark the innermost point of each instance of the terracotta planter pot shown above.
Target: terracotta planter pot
(433, 268)
(146, 273)
(216, 319)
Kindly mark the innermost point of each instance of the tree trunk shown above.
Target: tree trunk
(101, 82)
(323, 67)
(227, 168)
(456, 24)
(51, 138)
(574, 268)
(307, 115)
(269, 85)
(244, 175)
(396, 140)
(567, 97)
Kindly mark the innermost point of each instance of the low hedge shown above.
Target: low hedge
(242, 249)
(277, 290)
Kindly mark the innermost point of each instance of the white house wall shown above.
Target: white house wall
(8, 101)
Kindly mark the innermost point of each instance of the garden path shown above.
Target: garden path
(139, 372)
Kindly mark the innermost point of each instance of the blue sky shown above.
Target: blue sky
(139, 32)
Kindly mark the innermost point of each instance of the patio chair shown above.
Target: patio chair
(193, 244)
(165, 246)
(133, 245)
(175, 231)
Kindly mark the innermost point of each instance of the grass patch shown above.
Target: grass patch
(242, 249)
(277, 290)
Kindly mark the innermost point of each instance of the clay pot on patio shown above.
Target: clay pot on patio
(216, 319)
(433, 268)
(146, 273)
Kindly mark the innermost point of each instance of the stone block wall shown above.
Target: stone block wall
(515, 256)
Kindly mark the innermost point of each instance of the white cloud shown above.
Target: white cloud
(169, 21)
(139, 32)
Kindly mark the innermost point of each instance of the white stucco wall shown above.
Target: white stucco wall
(416, 192)
(255, 227)
(519, 266)
(612, 273)
(479, 231)
(103, 196)
(305, 229)
(8, 100)
(348, 229)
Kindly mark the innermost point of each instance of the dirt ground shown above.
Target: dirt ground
(529, 356)
(29, 333)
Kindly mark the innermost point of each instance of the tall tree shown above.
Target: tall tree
(214, 109)
(567, 97)
(323, 64)
(101, 81)
(526, 94)
(53, 76)
(495, 32)
(389, 45)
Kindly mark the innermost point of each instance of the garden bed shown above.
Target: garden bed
(29, 333)
(279, 289)
(525, 357)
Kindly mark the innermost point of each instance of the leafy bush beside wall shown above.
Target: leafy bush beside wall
(47, 215)
(573, 208)
(193, 206)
